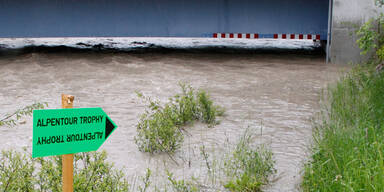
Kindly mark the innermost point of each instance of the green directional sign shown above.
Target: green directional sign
(66, 131)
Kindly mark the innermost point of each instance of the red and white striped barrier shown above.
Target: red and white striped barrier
(274, 36)
(236, 35)
(297, 36)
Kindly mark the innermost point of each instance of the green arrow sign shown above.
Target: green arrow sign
(66, 131)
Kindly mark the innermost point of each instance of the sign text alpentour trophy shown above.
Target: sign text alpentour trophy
(66, 131)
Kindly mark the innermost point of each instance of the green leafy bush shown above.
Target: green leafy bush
(371, 38)
(193, 105)
(185, 106)
(19, 172)
(248, 167)
(206, 111)
(16, 172)
(160, 128)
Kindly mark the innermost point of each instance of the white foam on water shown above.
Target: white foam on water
(143, 42)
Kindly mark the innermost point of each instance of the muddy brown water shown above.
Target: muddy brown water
(276, 95)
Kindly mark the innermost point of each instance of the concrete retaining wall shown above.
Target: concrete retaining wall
(348, 16)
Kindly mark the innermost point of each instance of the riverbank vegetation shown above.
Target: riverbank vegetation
(242, 167)
(161, 127)
(349, 148)
(348, 153)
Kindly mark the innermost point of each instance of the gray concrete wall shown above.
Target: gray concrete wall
(348, 16)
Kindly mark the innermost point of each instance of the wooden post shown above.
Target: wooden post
(67, 160)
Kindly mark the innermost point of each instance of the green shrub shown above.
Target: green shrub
(160, 127)
(207, 112)
(248, 167)
(371, 38)
(185, 105)
(193, 105)
(16, 172)
(19, 172)
(157, 132)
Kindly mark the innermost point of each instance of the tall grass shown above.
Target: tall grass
(349, 140)
(248, 167)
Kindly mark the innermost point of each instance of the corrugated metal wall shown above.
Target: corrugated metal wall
(160, 18)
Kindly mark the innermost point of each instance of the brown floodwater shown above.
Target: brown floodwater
(276, 95)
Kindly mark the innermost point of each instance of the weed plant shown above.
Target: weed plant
(160, 128)
(11, 119)
(19, 172)
(181, 185)
(248, 167)
(146, 181)
(348, 149)
(206, 111)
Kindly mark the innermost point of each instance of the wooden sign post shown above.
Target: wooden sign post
(68, 131)
(67, 160)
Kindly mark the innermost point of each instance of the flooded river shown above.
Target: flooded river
(276, 95)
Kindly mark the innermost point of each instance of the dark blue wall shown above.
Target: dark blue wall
(160, 18)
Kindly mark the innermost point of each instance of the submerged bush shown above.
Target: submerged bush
(160, 127)
(185, 105)
(248, 167)
(157, 131)
(193, 105)
(206, 111)
(19, 172)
